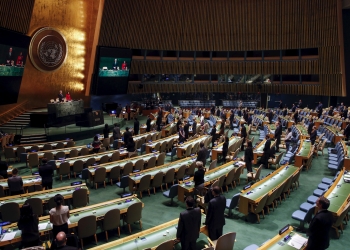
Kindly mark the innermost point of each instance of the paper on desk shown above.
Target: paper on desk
(8, 236)
(42, 226)
(297, 241)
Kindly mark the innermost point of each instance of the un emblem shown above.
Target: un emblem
(48, 49)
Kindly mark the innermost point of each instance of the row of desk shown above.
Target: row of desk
(216, 151)
(41, 145)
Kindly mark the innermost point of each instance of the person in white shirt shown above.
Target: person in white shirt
(288, 137)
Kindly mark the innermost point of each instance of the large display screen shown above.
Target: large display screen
(13, 56)
(112, 71)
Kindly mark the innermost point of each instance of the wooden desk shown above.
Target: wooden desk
(277, 242)
(152, 237)
(187, 187)
(136, 177)
(252, 196)
(143, 127)
(150, 145)
(258, 150)
(166, 129)
(218, 149)
(304, 152)
(27, 181)
(66, 192)
(99, 210)
(55, 151)
(40, 145)
(181, 149)
(303, 132)
(338, 195)
(84, 158)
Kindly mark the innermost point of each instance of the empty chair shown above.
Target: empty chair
(34, 188)
(190, 170)
(171, 193)
(128, 168)
(133, 155)
(79, 198)
(10, 212)
(124, 183)
(167, 245)
(180, 174)
(34, 148)
(111, 221)
(169, 177)
(100, 177)
(33, 161)
(90, 162)
(271, 201)
(2, 193)
(47, 147)
(64, 169)
(74, 153)
(254, 176)
(303, 217)
(139, 164)
(70, 144)
(232, 203)
(151, 162)
(188, 151)
(20, 150)
(161, 159)
(10, 154)
(59, 145)
(60, 155)
(87, 228)
(114, 174)
(84, 151)
(115, 156)
(106, 143)
(338, 223)
(213, 164)
(157, 181)
(37, 206)
(78, 167)
(104, 159)
(49, 156)
(225, 242)
(133, 214)
(156, 147)
(229, 179)
(144, 184)
(163, 147)
(251, 247)
(259, 208)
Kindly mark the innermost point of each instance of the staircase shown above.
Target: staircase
(17, 123)
(32, 139)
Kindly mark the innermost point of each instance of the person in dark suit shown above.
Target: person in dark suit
(60, 96)
(3, 169)
(106, 131)
(159, 122)
(243, 135)
(281, 104)
(202, 154)
(186, 129)
(10, 57)
(345, 113)
(330, 111)
(189, 225)
(285, 112)
(268, 141)
(194, 127)
(178, 123)
(300, 103)
(116, 132)
(218, 112)
(127, 134)
(225, 149)
(278, 133)
(232, 117)
(213, 134)
(28, 224)
(212, 110)
(181, 134)
(61, 241)
(136, 126)
(310, 126)
(46, 172)
(239, 112)
(15, 183)
(313, 135)
(248, 157)
(148, 124)
(115, 64)
(319, 109)
(296, 117)
(320, 226)
(250, 120)
(198, 177)
(347, 131)
(293, 108)
(215, 219)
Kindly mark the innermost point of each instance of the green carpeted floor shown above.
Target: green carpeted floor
(156, 211)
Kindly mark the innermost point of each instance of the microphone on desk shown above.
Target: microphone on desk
(332, 197)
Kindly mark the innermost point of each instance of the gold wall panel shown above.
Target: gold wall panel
(15, 14)
(75, 19)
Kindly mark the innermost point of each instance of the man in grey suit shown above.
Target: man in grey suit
(202, 154)
(215, 219)
(189, 225)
